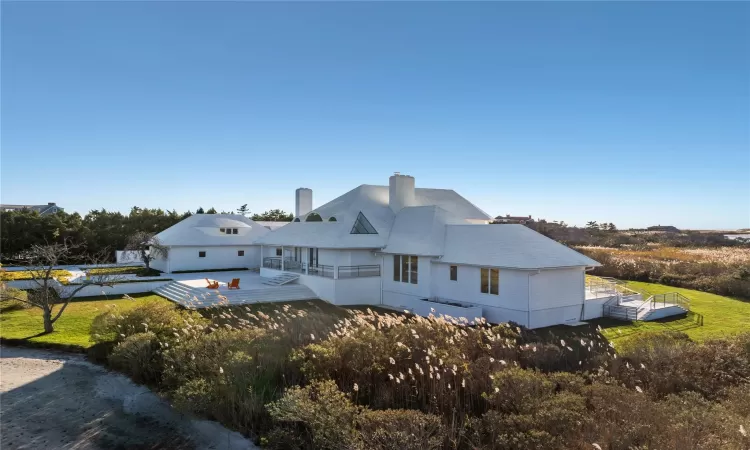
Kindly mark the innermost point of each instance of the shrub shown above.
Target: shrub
(137, 355)
(327, 415)
(163, 319)
(402, 429)
(666, 363)
(519, 390)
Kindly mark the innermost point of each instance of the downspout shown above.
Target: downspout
(382, 264)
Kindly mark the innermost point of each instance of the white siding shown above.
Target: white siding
(358, 291)
(556, 296)
(511, 303)
(224, 257)
(419, 290)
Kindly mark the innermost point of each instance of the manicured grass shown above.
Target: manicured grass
(137, 270)
(26, 275)
(722, 316)
(72, 329)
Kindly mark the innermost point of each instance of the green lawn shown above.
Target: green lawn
(6, 275)
(72, 329)
(721, 315)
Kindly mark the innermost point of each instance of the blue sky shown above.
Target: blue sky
(634, 113)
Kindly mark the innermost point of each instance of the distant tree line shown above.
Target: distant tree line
(95, 232)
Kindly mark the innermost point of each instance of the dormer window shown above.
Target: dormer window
(228, 230)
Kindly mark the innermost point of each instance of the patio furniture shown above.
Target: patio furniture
(212, 284)
(235, 284)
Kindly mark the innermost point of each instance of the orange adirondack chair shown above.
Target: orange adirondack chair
(235, 284)
(212, 284)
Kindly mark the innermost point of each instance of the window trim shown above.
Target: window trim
(491, 274)
(406, 269)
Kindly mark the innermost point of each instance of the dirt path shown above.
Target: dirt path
(59, 400)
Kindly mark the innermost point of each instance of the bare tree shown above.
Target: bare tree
(147, 246)
(45, 291)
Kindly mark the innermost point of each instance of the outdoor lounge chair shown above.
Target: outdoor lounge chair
(212, 284)
(235, 284)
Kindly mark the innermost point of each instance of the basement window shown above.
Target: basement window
(201, 254)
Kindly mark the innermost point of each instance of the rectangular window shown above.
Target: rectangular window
(234, 230)
(413, 269)
(221, 230)
(454, 273)
(278, 252)
(240, 252)
(396, 267)
(490, 281)
(201, 254)
(406, 269)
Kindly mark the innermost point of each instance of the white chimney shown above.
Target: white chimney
(302, 201)
(400, 192)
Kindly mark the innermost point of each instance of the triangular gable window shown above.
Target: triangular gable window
(362, 226)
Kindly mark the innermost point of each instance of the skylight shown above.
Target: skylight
(362, 226)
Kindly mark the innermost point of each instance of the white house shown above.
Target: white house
(210, 241)
(426, 250)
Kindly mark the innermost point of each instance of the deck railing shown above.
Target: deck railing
(320, 270)
(669, 299)
(359, 271)
(291, 265)
(272, 263)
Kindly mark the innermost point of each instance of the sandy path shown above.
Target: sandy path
(59, 400)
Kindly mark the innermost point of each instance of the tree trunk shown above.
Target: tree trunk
(48, 321)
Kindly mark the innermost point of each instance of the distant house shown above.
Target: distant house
(664, 229)
(522, 220)
(49, 208)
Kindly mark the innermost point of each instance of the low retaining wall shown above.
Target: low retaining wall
(93, 291)
(424, 308)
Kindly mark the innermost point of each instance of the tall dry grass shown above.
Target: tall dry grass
(298, 378)
(723, 271)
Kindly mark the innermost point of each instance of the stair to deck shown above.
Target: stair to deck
(284, 278)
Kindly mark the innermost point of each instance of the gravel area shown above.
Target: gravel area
(59, 400)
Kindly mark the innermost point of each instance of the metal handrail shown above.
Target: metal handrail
(272, 263)
(320, 270)
(372, 270)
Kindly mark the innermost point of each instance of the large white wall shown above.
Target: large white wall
(223, 257)
(358, 291)
(396, 289)
(511, 303)
(556, 296)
